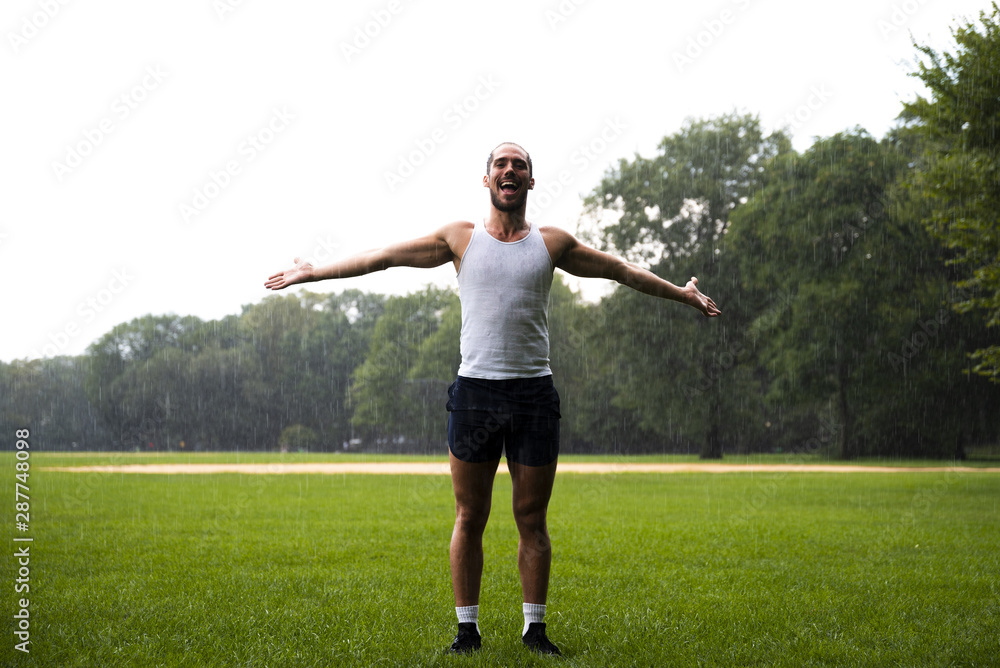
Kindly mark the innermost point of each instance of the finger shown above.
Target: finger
(695, 281)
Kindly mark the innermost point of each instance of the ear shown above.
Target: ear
(531, 184)
(486, 180)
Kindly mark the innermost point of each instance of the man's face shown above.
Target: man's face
(509, 180)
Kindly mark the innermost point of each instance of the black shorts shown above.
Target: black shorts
(519, 416)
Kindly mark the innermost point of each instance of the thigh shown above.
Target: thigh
(473, 485)
(533, 440)
(476, 436)
(532, 489)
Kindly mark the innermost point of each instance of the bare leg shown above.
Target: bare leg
(473, 485)
(532, 490)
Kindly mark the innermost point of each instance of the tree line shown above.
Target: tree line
(859, 282)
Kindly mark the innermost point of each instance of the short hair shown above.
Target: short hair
(489, 160)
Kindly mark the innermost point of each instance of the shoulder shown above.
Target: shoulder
(572, 255)
(557, 235)
(457, 227)
(457, 235)
(557, 240)
(456, 232)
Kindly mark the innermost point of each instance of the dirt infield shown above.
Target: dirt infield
(442, 468)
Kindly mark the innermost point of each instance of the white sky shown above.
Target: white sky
(116, 112)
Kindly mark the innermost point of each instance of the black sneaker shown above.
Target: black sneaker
(536, 640)
(467, 640)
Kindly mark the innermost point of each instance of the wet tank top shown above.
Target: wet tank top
(504, 290)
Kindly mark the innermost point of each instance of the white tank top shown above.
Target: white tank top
(504, 290)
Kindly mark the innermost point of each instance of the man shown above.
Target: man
(503, 398)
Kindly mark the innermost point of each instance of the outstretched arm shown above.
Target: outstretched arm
(580, 260)
(426, 252)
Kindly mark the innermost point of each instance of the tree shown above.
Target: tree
(297, 437)
(817, 233)
(389, 403)
(307, 347)
(672, 212)
(132, 406)
(959, 171)
(47, 396)
(853, 276)
(677, 204)
(236, 382)
(583, 352)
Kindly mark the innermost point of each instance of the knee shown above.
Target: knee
(530, 519)
(471, 518)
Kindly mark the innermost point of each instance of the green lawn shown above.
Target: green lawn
(177, 457)
(648, 570)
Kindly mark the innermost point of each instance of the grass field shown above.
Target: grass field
(178, 457)
(648, 570)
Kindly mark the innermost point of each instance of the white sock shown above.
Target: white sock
(533, 612)
(469, 613)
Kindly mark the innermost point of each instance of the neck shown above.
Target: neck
(503, 224)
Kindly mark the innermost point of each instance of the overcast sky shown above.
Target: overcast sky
(168, 157)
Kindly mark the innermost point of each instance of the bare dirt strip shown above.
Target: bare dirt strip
(442, 468)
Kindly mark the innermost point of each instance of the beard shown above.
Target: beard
(508, 207)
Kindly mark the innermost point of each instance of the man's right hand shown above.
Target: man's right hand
(699, 300)
(302, 272)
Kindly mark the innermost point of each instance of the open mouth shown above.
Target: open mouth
(509, 187)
